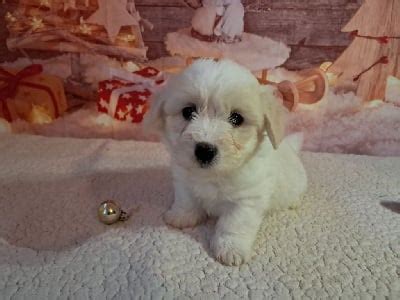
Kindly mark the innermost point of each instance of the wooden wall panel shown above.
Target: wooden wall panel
(266, 4)
(311, 28)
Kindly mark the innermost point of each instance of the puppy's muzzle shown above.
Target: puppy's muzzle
(205, 154)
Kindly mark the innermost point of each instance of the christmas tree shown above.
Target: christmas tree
(374, 54)
(93, 26)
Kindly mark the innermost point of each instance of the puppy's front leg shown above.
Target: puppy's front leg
(186, 210)
(235, 233)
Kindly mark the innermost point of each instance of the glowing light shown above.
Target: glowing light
(130, 66)
(325, 66)
(127, 38)
(374, 103)
(84, 28)
(104, 120)
(9, 17)
(36, 23)
(4, 126)
(332, 78)
(39, 115)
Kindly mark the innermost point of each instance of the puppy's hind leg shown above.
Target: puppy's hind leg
(186, 210)
(294, 193)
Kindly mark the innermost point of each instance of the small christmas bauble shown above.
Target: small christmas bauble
(110, 212)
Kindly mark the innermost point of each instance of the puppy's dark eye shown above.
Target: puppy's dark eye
(188, 112)
(236, 119)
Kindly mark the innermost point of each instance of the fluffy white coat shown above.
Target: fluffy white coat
(253, 171)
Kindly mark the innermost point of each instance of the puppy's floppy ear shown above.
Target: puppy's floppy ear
(154, 118)
(274, 114)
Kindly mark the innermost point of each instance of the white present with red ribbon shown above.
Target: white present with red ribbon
(125, 97)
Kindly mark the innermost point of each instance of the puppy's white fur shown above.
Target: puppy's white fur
(249, 175)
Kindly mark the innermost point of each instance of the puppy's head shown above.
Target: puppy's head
(214, 115)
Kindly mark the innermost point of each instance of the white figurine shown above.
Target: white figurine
(230, 27)
(203, 21)
(218, 20)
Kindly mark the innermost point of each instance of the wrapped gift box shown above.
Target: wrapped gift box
(22, 90)
(125, 97)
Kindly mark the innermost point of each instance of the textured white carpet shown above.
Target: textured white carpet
(341, 241)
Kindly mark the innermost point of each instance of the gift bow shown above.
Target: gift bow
(141, 84)
(13, 81)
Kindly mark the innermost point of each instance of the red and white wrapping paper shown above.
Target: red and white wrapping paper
(125, 96)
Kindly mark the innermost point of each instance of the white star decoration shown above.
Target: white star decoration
(151, 72)
(112, 15)
(109, 86)
(120, 114)
(139, 109)
(103, 103)
(129, 107)
(126, 96)
(143, 98)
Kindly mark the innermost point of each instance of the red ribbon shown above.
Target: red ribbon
(13, 81)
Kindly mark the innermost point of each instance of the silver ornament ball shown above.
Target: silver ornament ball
(109, 212)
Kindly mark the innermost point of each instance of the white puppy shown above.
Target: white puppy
(223, 130)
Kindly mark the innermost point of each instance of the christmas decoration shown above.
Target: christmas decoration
(332, 78)
(217, 32)
(218, 20)
(93, 26)
(310, 89)
(373, 55)
(21, 90)
(109, 212)
(125, 97)
(113, 16)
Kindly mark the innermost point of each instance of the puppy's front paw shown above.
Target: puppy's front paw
(231, 250)
(182, 219)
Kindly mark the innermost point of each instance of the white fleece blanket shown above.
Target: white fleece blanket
(340, 242)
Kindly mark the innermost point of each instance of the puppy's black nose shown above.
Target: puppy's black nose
(205, 153)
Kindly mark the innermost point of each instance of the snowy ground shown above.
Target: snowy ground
(340, 243)
(341, 123)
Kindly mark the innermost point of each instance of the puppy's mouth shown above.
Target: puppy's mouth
(208, 165)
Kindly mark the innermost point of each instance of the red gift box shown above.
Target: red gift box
(125, 97)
